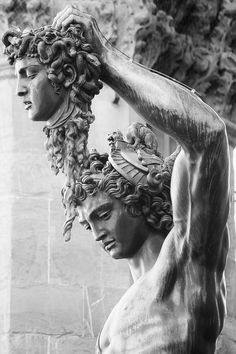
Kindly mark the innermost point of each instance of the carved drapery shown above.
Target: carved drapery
(194, 42)
(22, 13)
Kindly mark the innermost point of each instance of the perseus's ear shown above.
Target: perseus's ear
(70, 74)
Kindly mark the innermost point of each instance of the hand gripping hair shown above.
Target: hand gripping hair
(61, 52)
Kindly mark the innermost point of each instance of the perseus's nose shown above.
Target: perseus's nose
(99, 235)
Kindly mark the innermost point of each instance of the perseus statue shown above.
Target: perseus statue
(168, 218)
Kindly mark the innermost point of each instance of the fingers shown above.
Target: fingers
(71, 14)
(56, 20)
(68, 20)
(63, 15)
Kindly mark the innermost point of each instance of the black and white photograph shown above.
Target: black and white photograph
(118, 177)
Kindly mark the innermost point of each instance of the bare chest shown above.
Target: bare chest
(141, 324)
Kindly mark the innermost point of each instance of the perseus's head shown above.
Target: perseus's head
(125, 195)
(53, 67)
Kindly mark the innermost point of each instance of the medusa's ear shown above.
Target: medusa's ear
(70, 74)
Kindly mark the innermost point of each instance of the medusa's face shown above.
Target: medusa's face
(120, 234)
(39, 97)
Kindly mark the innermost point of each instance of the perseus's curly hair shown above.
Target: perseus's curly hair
(151, 201)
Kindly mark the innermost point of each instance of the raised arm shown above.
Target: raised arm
(199, 188)
(200, 178)
(163, 103)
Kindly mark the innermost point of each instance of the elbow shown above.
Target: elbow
(209, 138)
(219, 131)
(208, 120)
(219, 126)
(216, 131)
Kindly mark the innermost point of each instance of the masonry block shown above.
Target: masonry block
(226, 343)
(47, 310)
(29, 241)
(27, 344)
(70, 344)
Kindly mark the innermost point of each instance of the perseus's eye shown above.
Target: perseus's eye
(105, 215)
(104, 212)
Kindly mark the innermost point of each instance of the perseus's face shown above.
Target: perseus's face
(39, 97)
(120, 234)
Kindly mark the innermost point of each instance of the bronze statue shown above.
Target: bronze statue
(168, 218)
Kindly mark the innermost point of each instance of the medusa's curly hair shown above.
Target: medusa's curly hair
(54, 49)
(66, 142)
(152, 199)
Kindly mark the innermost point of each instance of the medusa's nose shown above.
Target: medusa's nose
(21, 87)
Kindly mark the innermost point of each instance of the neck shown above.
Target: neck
(66, 111)
(62, 114)
(146, 256)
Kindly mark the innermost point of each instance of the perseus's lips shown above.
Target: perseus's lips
(28, 105)
(109, 245)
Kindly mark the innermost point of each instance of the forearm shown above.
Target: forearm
(164, 104)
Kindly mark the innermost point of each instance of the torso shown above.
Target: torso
(150, 318)
(178, 307)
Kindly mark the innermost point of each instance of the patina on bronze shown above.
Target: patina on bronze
(170, 224)
(58, 76)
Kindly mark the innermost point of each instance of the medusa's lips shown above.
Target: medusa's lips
(27, 104)
(108, 245)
